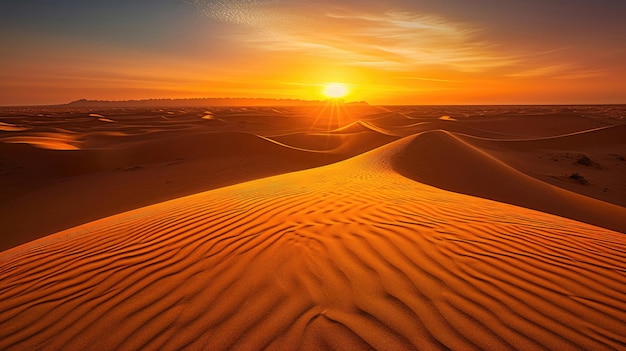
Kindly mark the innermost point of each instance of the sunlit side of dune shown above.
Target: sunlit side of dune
(352, 255)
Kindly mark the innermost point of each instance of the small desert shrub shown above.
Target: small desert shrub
(583, 160)
(579, 178)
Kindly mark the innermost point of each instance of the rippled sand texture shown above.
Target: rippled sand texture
(378, 251)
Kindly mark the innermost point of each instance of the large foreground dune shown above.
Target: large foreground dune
(399, 230)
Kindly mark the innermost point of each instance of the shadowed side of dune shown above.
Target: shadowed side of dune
(596, 155)
(440, 159)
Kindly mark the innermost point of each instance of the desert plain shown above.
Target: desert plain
(338, 226)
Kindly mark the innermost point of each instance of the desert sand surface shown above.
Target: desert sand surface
(335, 227)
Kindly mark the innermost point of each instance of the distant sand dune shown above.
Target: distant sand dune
(350, 256)
(392, 119)
(438, 124)
(48, 141)
(359, 127)
(344, 143)
(313, 141)
(537, 125)
(7, 127)
(448, 118)
(603, 135)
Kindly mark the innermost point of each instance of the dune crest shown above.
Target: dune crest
(360, 127)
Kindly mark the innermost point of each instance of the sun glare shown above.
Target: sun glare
(335, 90)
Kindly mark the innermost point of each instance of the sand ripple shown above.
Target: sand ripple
(347, 256)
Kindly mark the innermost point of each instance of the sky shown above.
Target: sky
(387, 52)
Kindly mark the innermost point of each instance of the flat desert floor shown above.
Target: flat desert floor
(345, 227)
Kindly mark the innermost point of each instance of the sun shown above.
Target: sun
(335, 90)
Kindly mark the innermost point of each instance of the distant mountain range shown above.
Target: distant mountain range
(205, 102)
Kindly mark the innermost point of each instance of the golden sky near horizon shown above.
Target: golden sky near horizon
(396, 52)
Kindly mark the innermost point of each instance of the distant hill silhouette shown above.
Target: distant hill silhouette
(204, 102)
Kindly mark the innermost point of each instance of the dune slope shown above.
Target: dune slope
(347, 256)
(469, 170)
(65, 189)
(596, 154)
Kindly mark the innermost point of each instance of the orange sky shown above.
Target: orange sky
(444, 52)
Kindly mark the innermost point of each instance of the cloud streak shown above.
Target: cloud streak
(391, 40)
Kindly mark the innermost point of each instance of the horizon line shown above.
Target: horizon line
(68, 104)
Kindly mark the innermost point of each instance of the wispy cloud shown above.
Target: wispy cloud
(426, 79)
(389, 40)
(555, 71)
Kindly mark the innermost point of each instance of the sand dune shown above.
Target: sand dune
(608, 135)
(554, 159)
(131, 176)
(538, 124)
(349, 140)
(448, 118)
(177, 153)
(392, 119)
(346, 256)
(341, 144)
(359, 127)
(437, 124)
(184, 228)
(49, 141)
(7, 127)
(471, 171)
